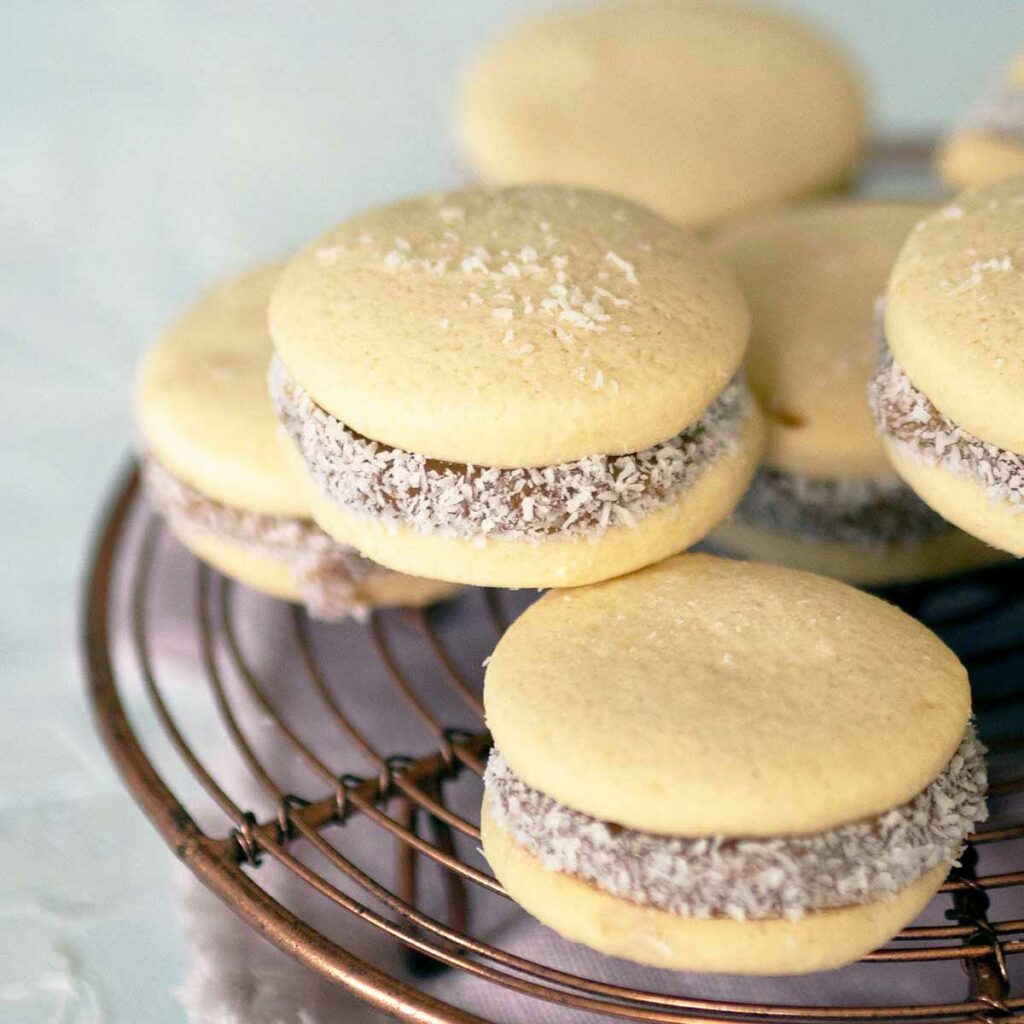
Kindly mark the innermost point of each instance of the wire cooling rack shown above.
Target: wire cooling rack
(425, 884)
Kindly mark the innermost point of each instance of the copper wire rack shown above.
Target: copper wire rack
(422, 805)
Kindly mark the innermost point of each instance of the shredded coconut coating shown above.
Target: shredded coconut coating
(584, 497)
(748, 879)
(326, 573)
(868, 513)
(907, 417)
(1000, 115)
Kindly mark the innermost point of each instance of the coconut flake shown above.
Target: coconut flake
(743, 878)
(326, 573)
(906, 416)
(583, 497)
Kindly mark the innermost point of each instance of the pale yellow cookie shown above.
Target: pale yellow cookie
(215, 467)
(947, 397)
(945, 554)
(812, 276)
(202, 406)
(706, 696)
(828, 499)
(699, 110)
(522, 327)
(953, 313)
(521, 387)
(581, 912)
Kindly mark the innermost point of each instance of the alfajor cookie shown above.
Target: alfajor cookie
(212, 463)
(989, 145)
(947, 396)
(825, 497)
(523, 387)
(715, 765)
(699, 110)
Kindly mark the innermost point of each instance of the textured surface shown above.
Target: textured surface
(811, 277)
(644, 100)
(750, 879)
(615, 700)
(582, 498)
(202, 400)
(522, 327)
(955, 311)
(560, 561)
(583, 913)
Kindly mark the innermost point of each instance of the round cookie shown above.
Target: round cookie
(226, 449)
(826, 497)
(761, 760)
(214, 465)
(947, 395)
(699, 110)
(520, 387)
(515, 327)
(989, 145)
(812, 276)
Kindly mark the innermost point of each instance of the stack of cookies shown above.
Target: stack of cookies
(699, 762)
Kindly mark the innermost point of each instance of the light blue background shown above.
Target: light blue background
(146, 148)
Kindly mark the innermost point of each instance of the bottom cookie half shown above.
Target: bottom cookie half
(963, 502)
(560, 562)
(582, 913)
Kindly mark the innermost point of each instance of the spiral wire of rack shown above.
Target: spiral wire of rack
(404, 797)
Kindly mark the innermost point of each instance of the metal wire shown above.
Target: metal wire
(404, 798)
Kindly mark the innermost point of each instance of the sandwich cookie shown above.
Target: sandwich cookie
(214, 466)
(989, 145)
(947, 396)
(825, 498)
(523, 387)
(713, 765)
(699, 110)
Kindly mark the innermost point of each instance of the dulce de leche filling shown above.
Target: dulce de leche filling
(744, 878)
(327, 574)
(908, 418)
(581, 498)
(868, 513)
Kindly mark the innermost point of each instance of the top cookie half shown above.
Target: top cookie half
(955, 311)
(202, 403)
(700, 110)
(511, 327)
